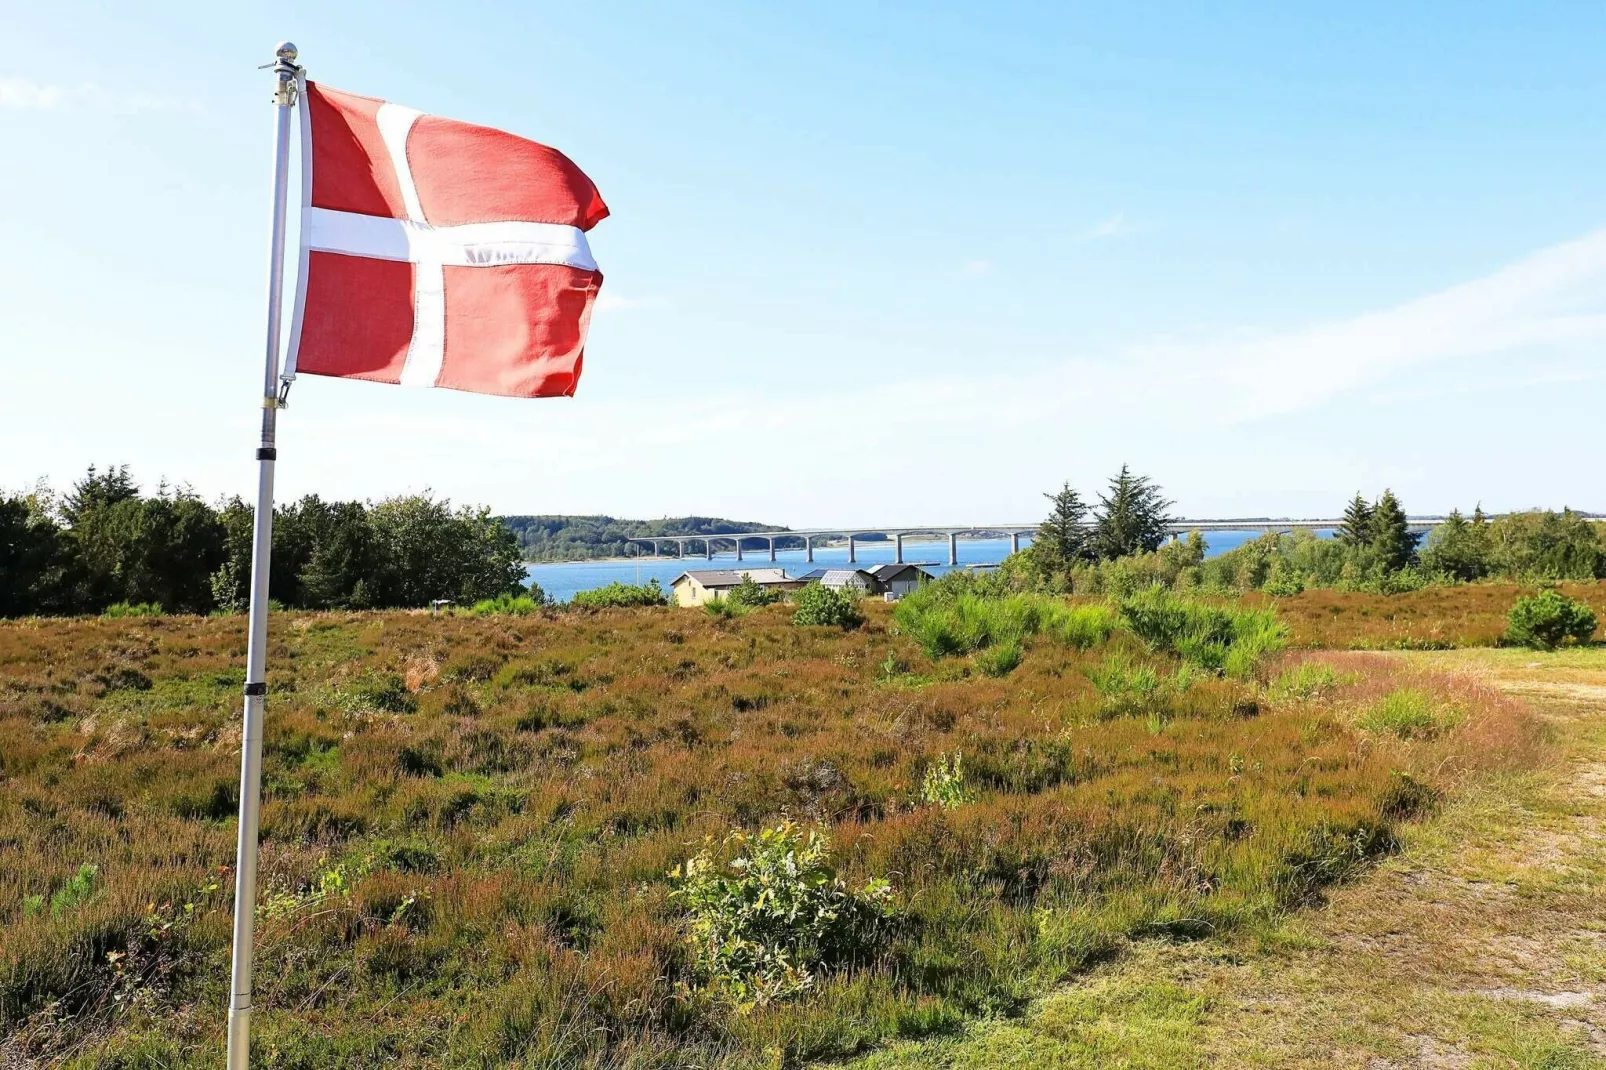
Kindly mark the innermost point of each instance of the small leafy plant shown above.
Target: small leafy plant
(767, 915)
(1548, 619)
(750, 594)
(944, 784)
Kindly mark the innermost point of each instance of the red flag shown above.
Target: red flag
(439, 253)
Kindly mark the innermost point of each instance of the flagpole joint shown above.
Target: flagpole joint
(285, 67)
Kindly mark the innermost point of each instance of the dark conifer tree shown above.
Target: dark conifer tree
(1131, 518)
(1063, 538)
(1357, 527)
(1392, 539)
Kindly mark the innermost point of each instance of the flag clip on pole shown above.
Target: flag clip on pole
(286, 74)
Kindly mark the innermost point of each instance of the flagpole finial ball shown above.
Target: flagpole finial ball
(286, 51)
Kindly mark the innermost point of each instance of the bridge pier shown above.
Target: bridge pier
(738, 547)
(1014, 542)
(808, 548)
(953, 548)
(899, 557)
(772, 549)
(851, 546)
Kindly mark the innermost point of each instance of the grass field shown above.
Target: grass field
(470, 823)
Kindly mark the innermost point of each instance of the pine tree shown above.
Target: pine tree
(1357, 527)
(1131, 518)
(1391, 537)
(1062, 539)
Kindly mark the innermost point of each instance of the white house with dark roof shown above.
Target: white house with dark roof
(896, 580)
(899, 580)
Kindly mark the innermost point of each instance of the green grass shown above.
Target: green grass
(1408, 713)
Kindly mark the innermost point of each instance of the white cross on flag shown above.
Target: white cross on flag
(439, 253)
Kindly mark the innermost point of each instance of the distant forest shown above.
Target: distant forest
(584, 538)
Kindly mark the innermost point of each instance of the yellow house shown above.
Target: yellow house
(695, 588)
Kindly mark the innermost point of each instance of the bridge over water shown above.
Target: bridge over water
(745, 541)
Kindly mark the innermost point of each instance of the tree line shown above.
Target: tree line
(1121, 545)
(104, 544)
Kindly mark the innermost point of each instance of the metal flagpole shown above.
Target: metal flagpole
(256, 687)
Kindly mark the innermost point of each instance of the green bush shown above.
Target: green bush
(1305, 681)
(1548, 619)
(1000, 660)
(119, 610)
(1406, 713)
(510, 605)
(1125, 688)
(1227, 639)
(767, 915)
(821, 605)
(621, 595)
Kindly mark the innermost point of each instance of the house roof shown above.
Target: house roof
(733, 577)
(888, 573)
(838, 575)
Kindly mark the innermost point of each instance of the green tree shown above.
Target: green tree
(35, 560)
(1357, 527)
(1548, 546)
(1392, 540)
(163, 549)
(1131, 518)
(98, 491)
(1459, 548)
(750, 593)
(1063, 539)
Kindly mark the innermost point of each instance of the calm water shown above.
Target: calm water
(560, 580)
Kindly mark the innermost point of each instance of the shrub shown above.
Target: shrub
(1125, 689)
(1406, 713)
(944, 784)
(723, 608)
(119, 610)
(1082, 627)
(510, 605)
(769, 919)
(1228, 639)
(1000, 660)
(1305, 681)
(819, 604)
(1548, 619)
(618, 595)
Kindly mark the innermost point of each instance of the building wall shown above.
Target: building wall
(692, 593)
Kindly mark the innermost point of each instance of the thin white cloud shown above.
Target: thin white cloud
(24, 94)
(1113, 227)
(974, 269)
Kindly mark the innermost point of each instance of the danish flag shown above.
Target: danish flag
(439, 253)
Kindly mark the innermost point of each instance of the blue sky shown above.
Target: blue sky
(868, 263)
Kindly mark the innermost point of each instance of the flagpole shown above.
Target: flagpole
(256, 687)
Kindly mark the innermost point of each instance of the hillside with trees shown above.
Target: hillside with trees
(586, 538)
(105, 544)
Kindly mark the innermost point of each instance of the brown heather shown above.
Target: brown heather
(469, 822)
(1434, 618)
